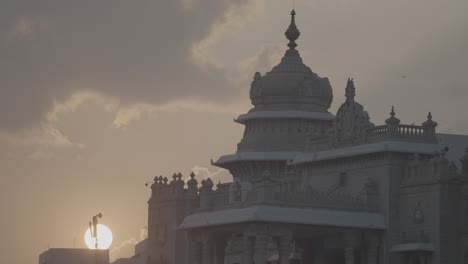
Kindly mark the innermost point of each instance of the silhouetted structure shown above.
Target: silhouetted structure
(312, 187)
(74, 256)
(141, 256)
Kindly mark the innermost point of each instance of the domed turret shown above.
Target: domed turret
(291, 85)
(290, 104)
(352, 120)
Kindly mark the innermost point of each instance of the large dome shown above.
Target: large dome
(291, 85)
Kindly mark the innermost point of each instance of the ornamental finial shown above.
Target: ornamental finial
(292, 33)
(392, 119)
(429, 122)
(350, 90)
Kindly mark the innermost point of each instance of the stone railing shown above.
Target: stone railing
(376, 132)
(411, 130)
(398, 132)
(401, 132)
(415, 237)
(318, 143)
(303, 199)
(320, 200)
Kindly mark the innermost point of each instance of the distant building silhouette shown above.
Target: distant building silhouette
(313, 187)
(74, 256)
(141, 255)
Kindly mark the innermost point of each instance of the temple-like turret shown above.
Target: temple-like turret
(290, 102)
(309, 187)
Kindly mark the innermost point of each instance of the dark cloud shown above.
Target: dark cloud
(137, 51)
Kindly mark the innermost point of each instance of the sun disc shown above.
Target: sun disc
(104, 238)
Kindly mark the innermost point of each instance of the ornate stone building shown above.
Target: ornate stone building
(314, 188)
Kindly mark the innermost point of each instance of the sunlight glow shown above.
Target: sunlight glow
(104, 235)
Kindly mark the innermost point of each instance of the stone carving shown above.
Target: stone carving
(418, 216)
(266, 174)
(192, 183)
(370, 186)
(351, 120)
(236, 192)
(256, 86)
(206, 184)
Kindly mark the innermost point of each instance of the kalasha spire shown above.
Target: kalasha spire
(350, 90)
(292, 34)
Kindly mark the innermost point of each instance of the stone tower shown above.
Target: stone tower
(170, 203)
(289, 103)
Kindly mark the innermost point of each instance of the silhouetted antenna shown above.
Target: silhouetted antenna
(93, 228)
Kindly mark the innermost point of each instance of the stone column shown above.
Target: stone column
(196, 252)
(284, 249)
(220, 247)
(248, 249)
(349, 240)
(261, 246)
(207, 250)
(372, 248)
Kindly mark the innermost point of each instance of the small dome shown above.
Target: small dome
(352, 120)
(291, 85)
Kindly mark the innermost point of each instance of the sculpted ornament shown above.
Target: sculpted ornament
(256, 86)
(351, 120)
(236, 192)
(418, 217)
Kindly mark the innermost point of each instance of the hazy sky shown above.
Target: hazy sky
(99, 96)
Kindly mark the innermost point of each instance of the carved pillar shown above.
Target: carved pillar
(372, 248)
(196, 252)
(284, 249)
(261, 248)
(349, 240)
(248, 249)
(207, 250)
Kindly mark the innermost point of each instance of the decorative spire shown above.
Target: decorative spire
(292, 34)
(192, 183)
(392, 119)
(429, 122)
(350, 90)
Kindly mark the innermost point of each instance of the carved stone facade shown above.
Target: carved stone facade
(352, 122)
(309, 187)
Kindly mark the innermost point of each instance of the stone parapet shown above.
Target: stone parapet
(303, 199)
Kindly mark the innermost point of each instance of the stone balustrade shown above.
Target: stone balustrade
(415, 237)
(400, 132)
(220, 198)
(304, 199)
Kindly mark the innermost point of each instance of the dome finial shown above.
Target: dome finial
(392, 119)
(350, 90)
(292, 34)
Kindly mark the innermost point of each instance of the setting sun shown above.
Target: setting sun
(104, 238)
